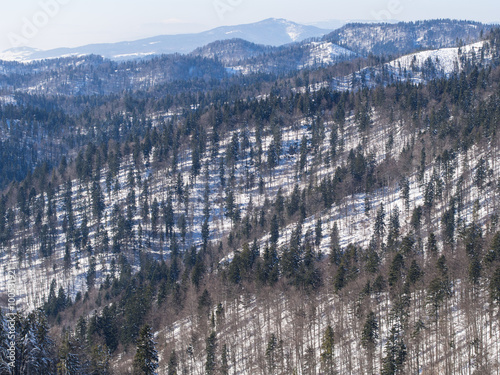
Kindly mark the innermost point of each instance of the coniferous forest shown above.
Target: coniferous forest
(172, 216)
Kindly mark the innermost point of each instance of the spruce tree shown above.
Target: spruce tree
(146, 357)
(328, 351)
(211, 347)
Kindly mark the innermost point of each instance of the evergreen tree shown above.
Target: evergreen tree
(36, 346)
(146, 357)
(394, 228)
(432, 244)
(404, 185)
(155, 215)
(274, 230)
(395, 269)
(328, 351)
(495, 286)
(5, 359)
(369, 333)
(379, 228)
(272, 345)
(72, 360)
(97, 198)
(91, 273)
(335, 245)
(395, 353)
(369, 336)
(318, 232)
(99, 360)
(211, 347)
(168, 217)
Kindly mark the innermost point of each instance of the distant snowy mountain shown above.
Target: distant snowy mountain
(271, 32)
(18, 54)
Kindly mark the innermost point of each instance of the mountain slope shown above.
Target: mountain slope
(406, 37)
(231, 51)
(260, 227)
(419, 67)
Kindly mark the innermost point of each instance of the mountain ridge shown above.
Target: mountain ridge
(270, 31)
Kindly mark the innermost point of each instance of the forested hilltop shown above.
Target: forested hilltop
(336, 218)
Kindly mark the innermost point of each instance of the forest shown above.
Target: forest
(255, 224)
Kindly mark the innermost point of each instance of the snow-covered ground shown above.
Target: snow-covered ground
(417, 67)
(35, 273)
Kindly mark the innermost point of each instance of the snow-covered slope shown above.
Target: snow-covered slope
(18, 54)
(419, 67)
(325, 53)
(444, 61)
(406, 37)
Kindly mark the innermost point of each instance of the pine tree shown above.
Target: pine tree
(168, 217)
(404, 185)
(91, 273)
(5, 368)
(335, 245)
(318, 233)
(155, 214)
(495, 286)
(72, 360)
(328, 351)
(271, 353)
(395, 269)
(432, 244)
(146, 357)
(293, 204)
(379, 227)
(395, 353)
(211, 347)
(97, 200)
(274, 231)
(369, 336)
(36, 346)
(394, 228)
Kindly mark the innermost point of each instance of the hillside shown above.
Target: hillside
(406, 37)
(258, 223)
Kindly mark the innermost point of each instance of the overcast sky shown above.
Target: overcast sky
(46, 24)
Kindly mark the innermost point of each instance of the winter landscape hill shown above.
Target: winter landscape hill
(327, 206)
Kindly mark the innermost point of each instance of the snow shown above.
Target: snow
(20, 54)
(7, 99)
(445, 60)
(133, 55)
(294, 32)
(325, 53)
(35, 273)
(416, 68)
(251, 319)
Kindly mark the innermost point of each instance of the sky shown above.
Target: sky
(47, 24)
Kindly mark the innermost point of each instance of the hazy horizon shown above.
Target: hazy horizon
(48, 24)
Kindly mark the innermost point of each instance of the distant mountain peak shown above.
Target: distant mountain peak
(271, 31)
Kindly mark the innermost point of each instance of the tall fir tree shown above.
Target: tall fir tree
(146, 357)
